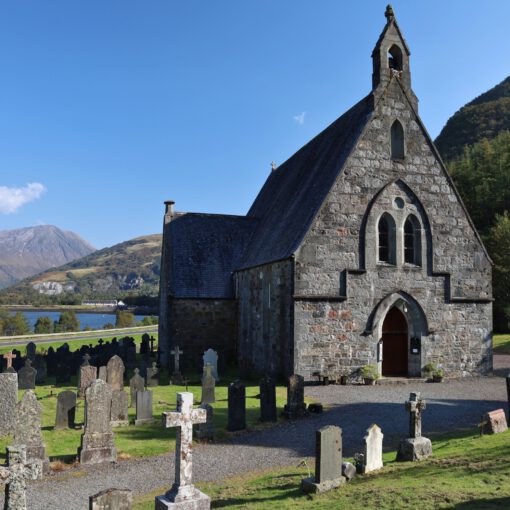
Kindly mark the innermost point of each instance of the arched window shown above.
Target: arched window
(395, 58)
(397, 140)
(412, 241)
(386, 239)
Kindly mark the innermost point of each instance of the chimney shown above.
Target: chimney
(169, 211)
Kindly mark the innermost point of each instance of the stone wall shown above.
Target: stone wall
(196, 325)
(265, 314)
(338, 258)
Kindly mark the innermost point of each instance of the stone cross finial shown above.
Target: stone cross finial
(86, 359)
(16, 474)
(389, 14)
(151, 341)
(176, 353)
(9, 357)
(415, 405)
(28, 362)
(184, 419)
(273, 166)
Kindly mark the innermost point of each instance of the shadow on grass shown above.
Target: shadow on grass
(283, 492)
(484, 504)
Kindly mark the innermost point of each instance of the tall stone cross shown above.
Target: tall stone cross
(15, 476)
(415, 405)
(184, 419)
(152, 340)
(9, 357)
(176, 352)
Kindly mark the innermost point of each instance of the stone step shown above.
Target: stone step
(400, 380)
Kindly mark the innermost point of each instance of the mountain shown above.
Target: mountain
(28, 251)
(128, 268)
(484, 117)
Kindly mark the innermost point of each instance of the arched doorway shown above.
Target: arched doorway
(394, 343)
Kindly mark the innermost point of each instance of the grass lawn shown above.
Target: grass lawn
(142, 440)
(502, 344)
(74, 345)
(465, 473)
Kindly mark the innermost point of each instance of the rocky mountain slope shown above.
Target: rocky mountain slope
(27, 251)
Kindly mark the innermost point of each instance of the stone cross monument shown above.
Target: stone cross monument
(416, 447)
(15, 477)
(183, 494)
(9, 357)
(177, 376)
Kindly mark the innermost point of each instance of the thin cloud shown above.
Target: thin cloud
(11, 199)
(300, 119)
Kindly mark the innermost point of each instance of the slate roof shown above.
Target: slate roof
(294, 192)
(203, 251)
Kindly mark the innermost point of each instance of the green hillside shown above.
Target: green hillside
(130, 268)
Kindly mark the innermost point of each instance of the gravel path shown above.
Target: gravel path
(451, 405)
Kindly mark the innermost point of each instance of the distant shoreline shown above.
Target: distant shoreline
(74, 308)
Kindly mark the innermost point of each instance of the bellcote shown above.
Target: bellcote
(391, 55)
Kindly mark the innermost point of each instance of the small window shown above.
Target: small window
(412, 241)
(386, 239)
(397, 140)
(395, 58)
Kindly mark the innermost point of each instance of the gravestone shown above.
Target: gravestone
(97, 441)
(144, 344)
(183, 495)
(236, 406)
(115, 373)
(112, 499)
(372, 455)
(130, 352)
(27, 429)
(136, 383)
(295, 407)
(205, 430)
(101, 374)
(328, 461)
(41, 369)
(8, 401)
(26, 376)
(62, 373)
(508, 393)
(177, 376)
(31, 349)
(267, 399)
(494, 422)
(8, 357)
(51, 362)
(415, 447)
(86, 376)
(211, 358)
(17, 361)
(119, 409)
(153, 375)
(208, 386)
(15, 476)
(66, 410)
(144, 407)
(152, 341)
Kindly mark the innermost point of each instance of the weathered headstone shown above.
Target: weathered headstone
(236, 406)
(41, 369)
(144, 407)
(328, 461)
(27, 428)
(153, 375)
(26, 376)
(8, 401)
(372, 455)
(136, 383)
(211, 358)
(119, 409)
(183, 495)
(177, 376)
(9, 357)
(62, 373)
(15, 476)
(31, 350)
(115, 373)
(415, 447)
(97, 441)
(112, 499)
(208, 386)
(86, 376)
(494, 422)
(66, 410)
(205, 431)
(295, 407)
(267, 399)
(102, 373)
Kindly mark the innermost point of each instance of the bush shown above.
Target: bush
(370, 372)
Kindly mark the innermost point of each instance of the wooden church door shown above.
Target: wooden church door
(394, 344)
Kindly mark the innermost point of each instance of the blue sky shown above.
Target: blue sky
(108, 108)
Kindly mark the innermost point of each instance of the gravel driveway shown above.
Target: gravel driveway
(452, 405)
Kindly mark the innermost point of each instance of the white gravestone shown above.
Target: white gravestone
(211, 358)
(373, 449)
(183, 495)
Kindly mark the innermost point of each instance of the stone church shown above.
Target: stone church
(357, 250)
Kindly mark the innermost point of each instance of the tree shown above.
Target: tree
(67, 322)
(124, 319)
(15, 325)
(43, 325)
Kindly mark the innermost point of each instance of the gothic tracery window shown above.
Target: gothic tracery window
(412, 241)
(386, 239)
(397, 140)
